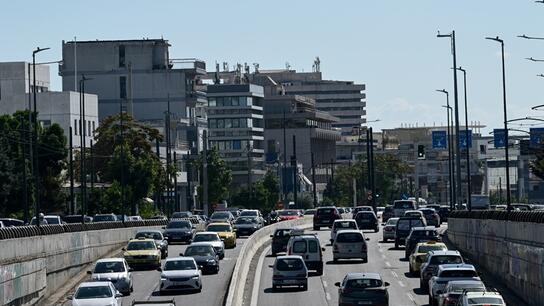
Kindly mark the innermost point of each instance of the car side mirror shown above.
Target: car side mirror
(89, 272)
(386, 284)
(70, 297)
(159, 269)
(271, 266)
(180, 254)
(123, 249)
(323, 249)
(367, 239)
(337, 284)
(166, 238)
(118, 294)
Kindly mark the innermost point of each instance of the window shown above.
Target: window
(228, 123)
(237, 144)
(213, 123)
(299, 247)
(227, 101)
(211, 102)
(220, 101)
(75, 127)
(235, 101)
(235, 123)
(243, 122)
(220, 123)
(121, 56)
(312, 246)
(89, 127)
(93, 127)
(242, 101)
(123, 87)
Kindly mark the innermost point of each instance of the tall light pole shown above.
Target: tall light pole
(35, 140)
(456, 104)
(450, 149)
(506, 144)
(83, 132)
(469, 187)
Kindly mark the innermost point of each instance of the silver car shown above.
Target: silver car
(180, 273)
(116, 271)
(289, 271)
(214, 240)
(349, 244)
(342, 224)
(389, 229)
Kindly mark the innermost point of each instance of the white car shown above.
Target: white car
(481, 298)
(114, 270)
(180, 273)
(214, 240)
(342, 224)
(447, 273)
(96, 294)
(349, 244)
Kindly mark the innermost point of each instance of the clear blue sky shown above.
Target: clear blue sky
(388, 45)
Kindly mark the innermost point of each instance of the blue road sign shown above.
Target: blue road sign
(499, 138)
(536, 137)
(465, 140)
(440, 139)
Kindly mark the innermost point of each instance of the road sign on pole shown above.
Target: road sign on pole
(465, 140)
(440, 139)
(536, 137)
(499, 138)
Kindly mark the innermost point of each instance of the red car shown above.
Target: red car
(288, 214)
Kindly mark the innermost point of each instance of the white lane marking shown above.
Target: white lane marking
(387, 264)
(257, 278)
(402, 284)
(328, 296)
(410, 297)
(383, 256)
(325, 284)
(394, 274)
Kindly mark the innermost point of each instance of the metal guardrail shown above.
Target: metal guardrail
(32, 230)
(515, 216)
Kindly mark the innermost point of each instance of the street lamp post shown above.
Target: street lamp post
(469, 187)
(83, 132)
(35, 140)
(456, 104)
(508, 199)
(450, 149)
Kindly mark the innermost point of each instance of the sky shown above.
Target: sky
(389, 45)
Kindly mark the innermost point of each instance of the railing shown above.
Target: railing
(515, 216)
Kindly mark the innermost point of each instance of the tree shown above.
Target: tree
(265, 194)
(537, 166)
(219, 176)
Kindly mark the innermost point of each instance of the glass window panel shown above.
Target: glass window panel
(211, 102)
(220, 101)
(235, 123)
(220, 123)
(228, 123)
(236, 144)
(235, 101)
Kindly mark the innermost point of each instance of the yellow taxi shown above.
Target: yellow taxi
(420, 253)
(142, 252)
(225, 232)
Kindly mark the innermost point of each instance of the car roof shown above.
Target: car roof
(350, 231)
(283, 229)
(344, 220)
(289, 257)
(94, 284)
(180, 258)
(141, 239)
(219, 223)
(149, 231)
(359, 275)
(305, 236)
(465, 282)
(447, 252)
(326, 207)
(472, 294)
(205, 233)
(448, 267)
(200, 243)
(424, 228)
(431, 243)
(110, 260)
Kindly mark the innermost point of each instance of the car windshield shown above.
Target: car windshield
(485, 300)
(325, 211)
(407, 224)
(363, 283)
(95, 292)
(221, 215)
(149, 235)
(427, 211)
(365, 215)
(404, 205)
(349, 237)
(179, 265)
(288, 213)
(102, 218)
(181, 215)
(179, 224)
(52, 220)
(345, 224)
(427, 248)
(109, 267)
(459, 273)
(291, 264)
(219, 228)
(200, 250)
(446, 259)
(205, 237)
(467, 287)
(424, 233)
(141, 245)
(249, 213)
(245, 221)
(282, 233)
(392, 221)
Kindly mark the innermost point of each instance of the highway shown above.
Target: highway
(214, 287)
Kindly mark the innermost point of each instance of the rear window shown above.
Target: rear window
(282, 233)
(404, 205)
(363, 283)
(293, 264)
(428, 248)
(485, 301)
(407, 224)
(392, 221)
(313, 246)
(299, 247)
(325, 211)
(424, 233)
(345, 224)
(446, 259)
(459, 273)
(365, 215)
(349, 237)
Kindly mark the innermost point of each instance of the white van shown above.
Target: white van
(342, 224)
(401, 206)
(309, 248)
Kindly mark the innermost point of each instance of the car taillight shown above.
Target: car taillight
(276, 276)
(363, 247)
(301, 275)
(335, 247)
(347, 291)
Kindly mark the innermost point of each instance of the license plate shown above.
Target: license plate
(325, 221)
(364, 303)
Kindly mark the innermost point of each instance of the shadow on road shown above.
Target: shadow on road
(175, 293)
(345, 262)
(420, 291)
(409, 275)
(283, 290)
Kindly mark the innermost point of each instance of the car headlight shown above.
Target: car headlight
(163, 279)
(211, 260)
(195, 277)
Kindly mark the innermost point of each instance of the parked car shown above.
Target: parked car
(289, 270)
(160, 240)
(222, 216)
(342, 224)
(225, 232)
(367, 220)
(96, 293)
(116, 271)
(363, 289)
(71, 219)
(179, 231)
(481, 298)
(447, 273)
(404, 227)
(181, 215)
(414, 213)
(361, 208)
(205, 256)
(309, 248)
(349, 244)
(10, 222)
(245, 226)
(142, 252)
(325, 216)
(431, 216)
(213, 239)
(180, 273)
(417, 235)
(280, 238)
(388, 213)
(47, 220)
(288, 214)
(134, 218)
(310, 212)
(401, 206)
(389, 229)
(420, 252)
(435, 259)
(455, 289)
(105, 218)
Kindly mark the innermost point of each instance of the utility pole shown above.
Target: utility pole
(176, 198)
(25, 182)
(158, 195)
(314, 182)
(205, 206)
(372, 170)
(30, 139)
(189, 200)
(122, 160)
(71, 170)
(469, 187)
(295, 171)
(368, 162)
(284, 180)
(92, 169)
(167, 134)
(249, 177)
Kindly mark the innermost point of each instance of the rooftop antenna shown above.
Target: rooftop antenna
(256, 67)
(225, 66)
(317, 64)
(216, 78)
(287, 66)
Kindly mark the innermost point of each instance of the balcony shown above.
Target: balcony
(195, 98)
(191, 66)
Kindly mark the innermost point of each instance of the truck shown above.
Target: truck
(479, 201)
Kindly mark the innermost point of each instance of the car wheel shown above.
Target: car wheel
(335, 260)
(365, 260)
(396, 245)
(222, 256)
(274, 288)
(274, 254)
(320, 271)
(411, 271)
(305, 287)
(376, 230)
(384, 239)
(316, 228)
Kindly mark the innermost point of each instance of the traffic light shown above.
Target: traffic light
(420, 152)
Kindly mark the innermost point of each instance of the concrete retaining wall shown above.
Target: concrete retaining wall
(32, 268)
(512, 251)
